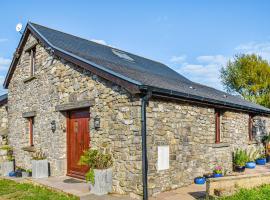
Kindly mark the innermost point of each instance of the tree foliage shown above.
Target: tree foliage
(248, 75)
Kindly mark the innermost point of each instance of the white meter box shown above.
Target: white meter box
(163, 158)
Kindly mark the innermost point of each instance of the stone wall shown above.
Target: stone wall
(58, 82)
(3, 127)
(3, 116)
(189, 131)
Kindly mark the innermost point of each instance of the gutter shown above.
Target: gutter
(144, 102)
(212, 102)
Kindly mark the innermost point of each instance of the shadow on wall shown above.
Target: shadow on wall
(259, 128)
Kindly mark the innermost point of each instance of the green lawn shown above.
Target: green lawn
(25, 191)
(260, 193)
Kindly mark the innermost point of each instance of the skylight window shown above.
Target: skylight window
(122, 54)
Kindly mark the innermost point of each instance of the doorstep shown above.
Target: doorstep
(74, 186)
(64, 184)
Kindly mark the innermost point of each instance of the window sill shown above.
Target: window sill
(252, 142)
(29, 79)
(220, 145)
(29, 149)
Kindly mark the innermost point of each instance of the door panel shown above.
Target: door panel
(78, 139)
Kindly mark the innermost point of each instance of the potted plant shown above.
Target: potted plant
(217, 172)
(21, 172)
(28, 173)
(18, 171)
(266, 142)
(8, 165)
(261, 160)
(100, 173)
(252, 154)
(40, 167)
(208, 175)
(200, 180)
(239, 160)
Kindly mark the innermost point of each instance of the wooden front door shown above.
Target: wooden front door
(78, 139)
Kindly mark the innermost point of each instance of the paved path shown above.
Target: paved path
(81, 188)
(106, 197)
(190, 192)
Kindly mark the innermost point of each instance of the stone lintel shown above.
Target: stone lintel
(220, 145)
(3, 131)
(29, 79)
(29, 114)
(29, 148)
(74, 105)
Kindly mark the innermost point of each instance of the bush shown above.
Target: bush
(240, 158)
(39, 155)
(9, 150)
(261, 153)
(95, 160)
(252, 154)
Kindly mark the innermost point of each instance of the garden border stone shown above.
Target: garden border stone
(228, 185)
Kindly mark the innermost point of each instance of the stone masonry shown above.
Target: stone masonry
(188, 129)
(3, 127)
(58, 82)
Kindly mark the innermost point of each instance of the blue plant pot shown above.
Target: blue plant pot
(261, 161)
(217, 175)
(12, 174)
(199, 180)
(250, 165)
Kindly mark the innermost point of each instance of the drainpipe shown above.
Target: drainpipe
(144, 101)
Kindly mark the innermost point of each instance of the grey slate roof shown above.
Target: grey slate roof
(141, 71)
(3, 98)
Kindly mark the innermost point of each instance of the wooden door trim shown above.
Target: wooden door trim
(71, 172)
(68, 142)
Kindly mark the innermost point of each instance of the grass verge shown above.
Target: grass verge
(259, 193)
(25, 191)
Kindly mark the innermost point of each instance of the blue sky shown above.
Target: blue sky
(193, 37)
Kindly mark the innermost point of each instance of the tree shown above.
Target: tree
(249, 76)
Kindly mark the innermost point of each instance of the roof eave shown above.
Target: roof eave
(201, 100)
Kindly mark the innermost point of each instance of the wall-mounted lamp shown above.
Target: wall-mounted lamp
(97, 122)
(53, 125)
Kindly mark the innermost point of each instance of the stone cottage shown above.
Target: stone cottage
(67, 94)
(3, 125)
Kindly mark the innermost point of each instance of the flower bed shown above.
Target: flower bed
(228, 185)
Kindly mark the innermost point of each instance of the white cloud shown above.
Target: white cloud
(4, 63)
(178, 59)
(3, 40)
(262, 49)
(205, 69)
(217, 59)
(100, 41)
